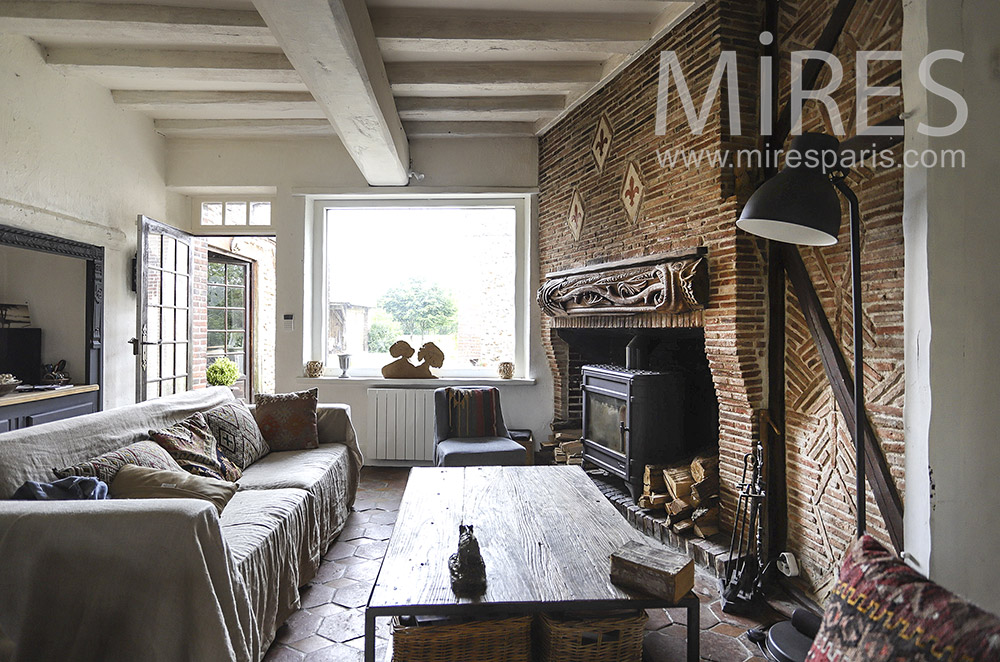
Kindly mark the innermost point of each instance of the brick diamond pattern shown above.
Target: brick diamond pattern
(576, 216)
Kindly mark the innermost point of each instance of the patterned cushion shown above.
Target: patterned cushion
(881, 610)
(104, 467)
(472, 412)
(288, 420)
(235, 429)
(193, 445)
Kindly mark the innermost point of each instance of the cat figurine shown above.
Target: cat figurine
(468, 571)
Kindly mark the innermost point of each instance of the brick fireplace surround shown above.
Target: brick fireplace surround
(685, 208)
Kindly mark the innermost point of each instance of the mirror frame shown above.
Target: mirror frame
(94, 256)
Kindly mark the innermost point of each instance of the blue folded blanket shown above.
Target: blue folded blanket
(64, 489)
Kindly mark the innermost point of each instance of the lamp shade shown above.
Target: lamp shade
(799, 205)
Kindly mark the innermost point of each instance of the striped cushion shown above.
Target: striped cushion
(472, 412)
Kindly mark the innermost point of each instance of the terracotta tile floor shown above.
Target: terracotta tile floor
(330, 625)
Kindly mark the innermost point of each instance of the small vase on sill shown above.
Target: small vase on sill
(314, 369)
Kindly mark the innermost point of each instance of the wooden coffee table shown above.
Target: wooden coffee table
(546, 534)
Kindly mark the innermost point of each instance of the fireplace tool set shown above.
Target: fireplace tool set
(743, 580)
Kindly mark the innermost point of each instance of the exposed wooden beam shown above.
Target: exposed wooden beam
(128, 23)
(469, 129)
(512, 108)
(812, 68)
(835, 365)
(266, 128)
(333, 48)
(151, 65)
(485, 78)
(474, 31)
(164, 104)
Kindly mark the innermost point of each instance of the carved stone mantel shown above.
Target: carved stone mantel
(664, 283)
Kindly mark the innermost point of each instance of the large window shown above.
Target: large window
(442, 275)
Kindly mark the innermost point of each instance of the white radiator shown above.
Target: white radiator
(401, 423)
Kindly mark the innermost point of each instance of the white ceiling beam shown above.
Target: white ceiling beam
(436, 31)
(266, 128)
(469, 129)
(219, 105)
(529, 108)
(202, 66)
(127, 23)
(482, 78)
(333, 48)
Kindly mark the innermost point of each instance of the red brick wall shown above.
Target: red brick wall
(819, 451)
(684, 208)
(199, 312)
(688, 207)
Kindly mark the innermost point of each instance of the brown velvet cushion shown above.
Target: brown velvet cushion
(195, 448)
(288, 420)
(881, 610)
(104, 467)
(237, 432)
(133, 482)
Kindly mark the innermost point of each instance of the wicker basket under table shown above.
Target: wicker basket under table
(612, 638)
(487, 640)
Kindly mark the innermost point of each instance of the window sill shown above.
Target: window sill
(416, 383)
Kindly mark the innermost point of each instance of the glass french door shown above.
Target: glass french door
(163, 284)
(229, 317)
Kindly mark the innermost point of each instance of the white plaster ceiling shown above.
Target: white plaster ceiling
(377, 73)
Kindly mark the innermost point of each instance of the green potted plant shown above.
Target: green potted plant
(222, 372)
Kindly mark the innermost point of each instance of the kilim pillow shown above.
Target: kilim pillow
(104, 467)
(881, 610)
(134, 482)
(472, 412)
(236, 430)
(288, 420)
(193, 445)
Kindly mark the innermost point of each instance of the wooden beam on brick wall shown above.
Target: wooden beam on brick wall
(877, 469)
(811, 69)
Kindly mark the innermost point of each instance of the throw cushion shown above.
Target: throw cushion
(882, 610)
(193, 445)
(288, 420)
(104, 467)
(237, 433)
(472, 412)
(134, 482)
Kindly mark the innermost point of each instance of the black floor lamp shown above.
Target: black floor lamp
(800, 206)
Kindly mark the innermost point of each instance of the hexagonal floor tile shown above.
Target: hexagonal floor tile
(343, 627)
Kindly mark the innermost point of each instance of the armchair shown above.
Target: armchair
(469, 429)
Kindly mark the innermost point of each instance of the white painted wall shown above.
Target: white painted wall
(952, 319)
(75, 166)
(300, 167)
(55, 289)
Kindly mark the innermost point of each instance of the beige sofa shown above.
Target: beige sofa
(163, 579)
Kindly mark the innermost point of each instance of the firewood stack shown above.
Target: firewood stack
(688, 492)
(567, 448)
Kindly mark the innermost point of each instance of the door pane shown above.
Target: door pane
(235, 297)
(216, 319)
(182, 291)
(236, 320)
(169, 253)
(182, 325)
(167, 361)
(168, 298)
(180, 359)
(216, 295)
(167, 325)
(216, 272)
